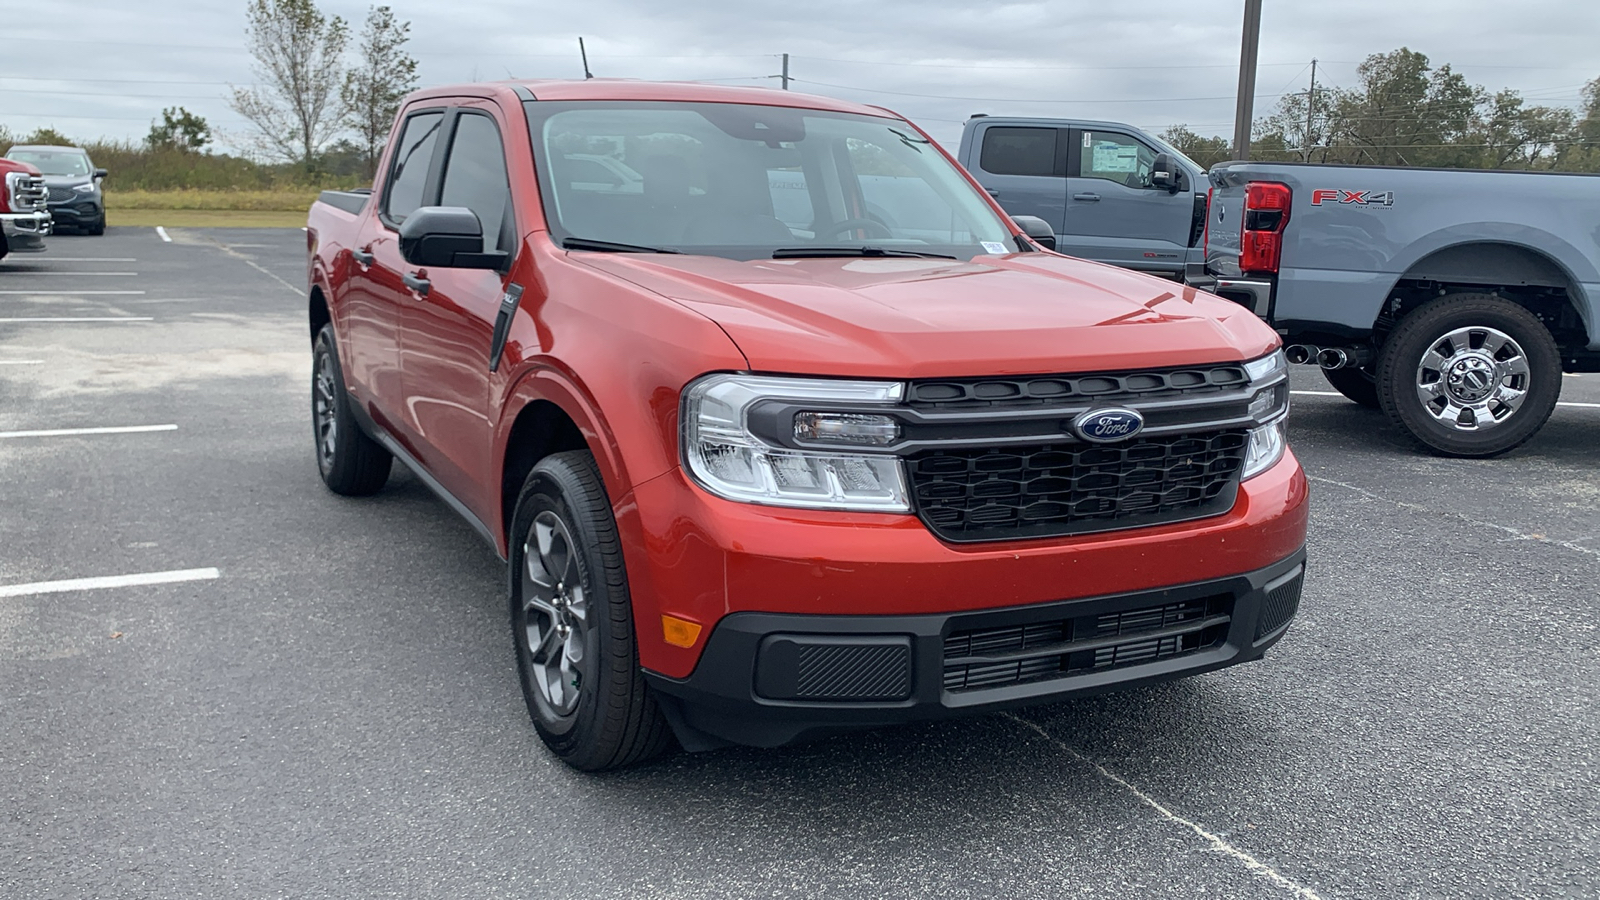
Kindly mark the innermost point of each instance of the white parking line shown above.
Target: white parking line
(75, 293)
(1573, 403)
(87, 259)
(163, 232)
(79, 274)
(68, 432)
(107, 581)
(81, 319)
(21, 362)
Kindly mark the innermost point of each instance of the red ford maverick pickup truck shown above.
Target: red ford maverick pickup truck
(782, 426)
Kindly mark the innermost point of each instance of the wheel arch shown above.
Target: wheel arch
(317, 311)
(1527, 275)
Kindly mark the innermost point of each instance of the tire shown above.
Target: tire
(98, 228)
(351, 463)
(1358, 385)
(572, 622)
(1492, 390)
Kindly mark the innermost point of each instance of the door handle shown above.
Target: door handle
(363, 257)
(992, 192)
(418, 285)
(1087, 197)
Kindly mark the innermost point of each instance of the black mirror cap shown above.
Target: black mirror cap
(1038, 230)
(1166, 176)
(100, 173)
(447, 237)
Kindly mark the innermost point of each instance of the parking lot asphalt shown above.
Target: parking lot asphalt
(334, 711)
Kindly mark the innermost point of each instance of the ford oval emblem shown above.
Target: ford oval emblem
(1103, 426)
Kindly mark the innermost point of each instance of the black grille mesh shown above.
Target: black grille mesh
(1055, 649)
(854, 672)
(59, 194)
(1070, 389)
(1280, 606)
(1059, 489)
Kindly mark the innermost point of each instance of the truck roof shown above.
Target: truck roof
(1049, 120)
(631, 89)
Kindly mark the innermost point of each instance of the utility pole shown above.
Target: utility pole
(1311, 107)
(1244, 112)
(585, 54)
(785, 75)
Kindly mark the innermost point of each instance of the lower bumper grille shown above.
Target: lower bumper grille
(993, 657)
(1050, 490)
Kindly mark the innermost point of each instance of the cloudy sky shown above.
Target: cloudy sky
(107, 67)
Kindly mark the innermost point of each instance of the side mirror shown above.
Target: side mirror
(100, 173)
(1164, 176)
(1038, 230)
(448, 237)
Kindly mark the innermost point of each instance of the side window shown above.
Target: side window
(1116, 157)
(409, 171)
(1019, 151)
(475, 175)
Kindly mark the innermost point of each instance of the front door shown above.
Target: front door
(448, 330)
(1114, 213)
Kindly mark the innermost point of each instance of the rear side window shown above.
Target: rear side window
(475, 175)
(408, 174)
(1019, 151)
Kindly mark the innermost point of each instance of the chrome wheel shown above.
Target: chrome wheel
(1473, 379)
(555, 610)
(324, 410)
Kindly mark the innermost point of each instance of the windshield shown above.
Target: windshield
(746, 181)
(53, 162)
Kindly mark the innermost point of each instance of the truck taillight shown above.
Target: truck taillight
(1266, 212)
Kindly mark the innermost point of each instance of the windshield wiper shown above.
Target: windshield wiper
(823, 252)
(578, 243)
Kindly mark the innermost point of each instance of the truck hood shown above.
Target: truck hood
(1028, 313)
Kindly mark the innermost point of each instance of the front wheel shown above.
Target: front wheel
(572, 622)
(98, 227)
(1470, 375)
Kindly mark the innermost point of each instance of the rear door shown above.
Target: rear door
(449, 329)
(1024, 168)
(1114, 213)
(376, 297)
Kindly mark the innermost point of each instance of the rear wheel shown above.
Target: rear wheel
(1470, 375)
(351, 463)
(1358, 385)
(572, 622)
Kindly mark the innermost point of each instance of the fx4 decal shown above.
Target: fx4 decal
(1357, 198)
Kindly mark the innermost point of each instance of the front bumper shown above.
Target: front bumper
(25, 232)
(77, 213)
(771, 679)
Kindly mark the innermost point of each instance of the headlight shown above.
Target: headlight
(84, 188)
(1265, 448)
(1269, 406)
(727, 458)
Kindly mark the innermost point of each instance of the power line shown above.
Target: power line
(847, 87)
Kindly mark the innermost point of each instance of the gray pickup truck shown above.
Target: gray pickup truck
(1109, 192)
(1451, 299)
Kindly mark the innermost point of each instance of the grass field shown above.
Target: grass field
(210, 209)
(207, 218)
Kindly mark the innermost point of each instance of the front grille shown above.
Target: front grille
(60, 194)
(1018, 654)
(1073, 389)
(1048, 490)
(27, 192)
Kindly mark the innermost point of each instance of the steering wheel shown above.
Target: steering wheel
(849, 224)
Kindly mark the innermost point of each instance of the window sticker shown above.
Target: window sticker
(1110, 156)
(995, 248)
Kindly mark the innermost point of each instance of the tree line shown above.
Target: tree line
(1404, 111)
(315, 120)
